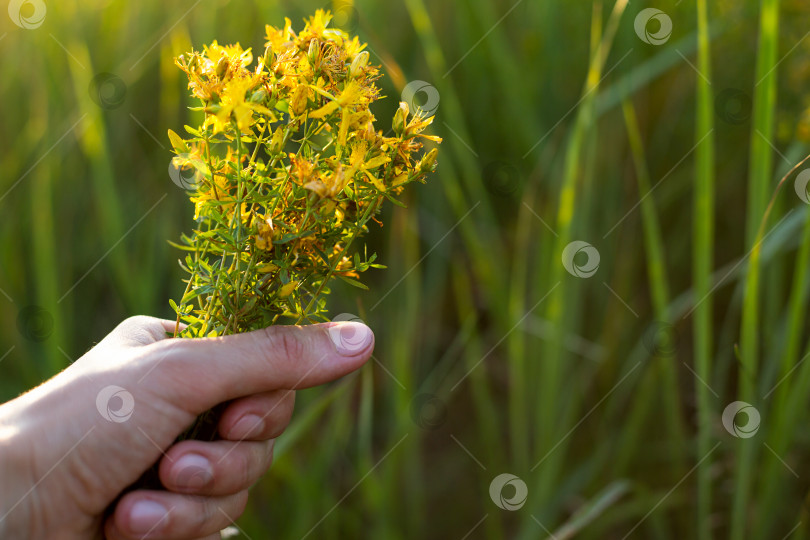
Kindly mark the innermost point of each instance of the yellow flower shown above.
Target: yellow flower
(219, 191)
(329, 186)
(350, 96)
(313, 173)
(277, 39)
(224, 62)
(417, 125)
(359, 164)
(234, 106)
(316, 25)
(264, 239)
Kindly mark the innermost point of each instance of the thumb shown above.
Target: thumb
(202, 372)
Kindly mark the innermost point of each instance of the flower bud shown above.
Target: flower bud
(298, 101)
(399, 119)
(258, 96)
(222, 67)
(269, 56)
(277, 142)
(360, 61)
(314, 49)
(428, 163)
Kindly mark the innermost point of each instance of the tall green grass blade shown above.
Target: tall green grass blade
(758, 195)
(520, 404)
(784, 417)
(488, 262)
(558, 305)
(95, 145)
(659, 289)
(703, 250)
(592, 510)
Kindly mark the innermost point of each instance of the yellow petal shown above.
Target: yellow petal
(399, 179)
(326, 109)
(377, 184)
(377, 161)
(243, 118)
(287, 289)
(266, 268)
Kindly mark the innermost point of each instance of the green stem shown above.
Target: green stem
(238, 216)
(333, 266)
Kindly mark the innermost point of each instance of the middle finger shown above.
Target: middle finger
(214, 468)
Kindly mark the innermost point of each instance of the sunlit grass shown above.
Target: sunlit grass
(559, 124)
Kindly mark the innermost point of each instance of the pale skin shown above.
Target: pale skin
(63, 463)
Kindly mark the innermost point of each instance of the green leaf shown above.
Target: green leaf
(178, 143)
(352, 282)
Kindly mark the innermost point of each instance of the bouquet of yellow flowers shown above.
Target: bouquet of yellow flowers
(285, 172)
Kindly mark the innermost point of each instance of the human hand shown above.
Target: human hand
(69, 447)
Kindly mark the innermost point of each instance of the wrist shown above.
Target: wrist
(15, 467)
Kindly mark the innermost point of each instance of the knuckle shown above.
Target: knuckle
(276, 429)
(263, 457)
(282, 345)
(215, 514)
(224, 512)
(240, 503)
(281, 415)
(164, 365)
(289, 401)
(207, 516)
(292, 346)
(243, 467)
(135, 320)
(140, 329)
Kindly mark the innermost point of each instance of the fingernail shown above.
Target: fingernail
(192, 471)
(350, 338)
(147, 516)
(247, 426)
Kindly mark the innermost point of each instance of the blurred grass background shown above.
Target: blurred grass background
(604, 395)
